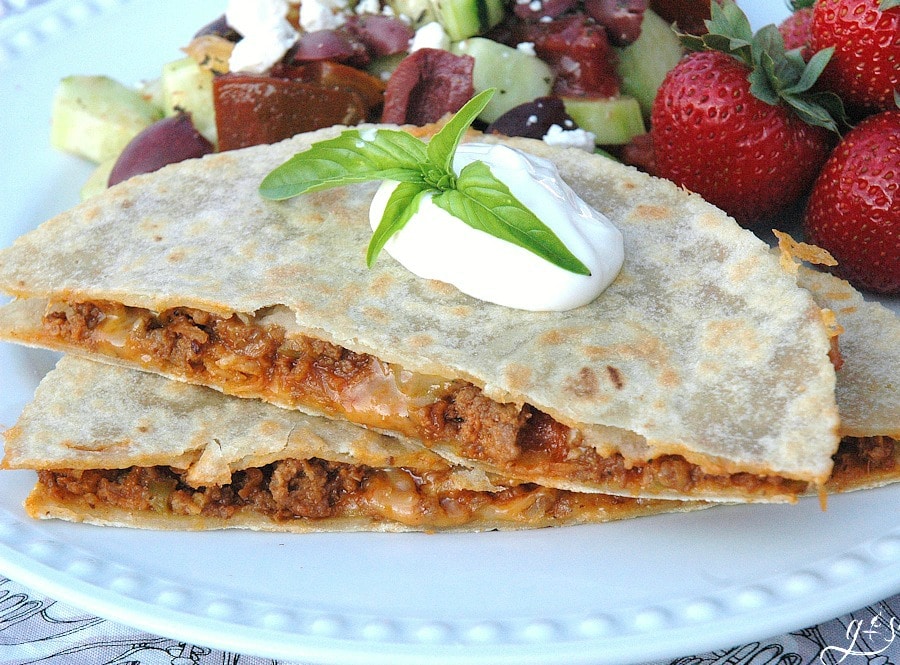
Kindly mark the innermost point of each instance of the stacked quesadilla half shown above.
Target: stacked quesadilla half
(702, 374)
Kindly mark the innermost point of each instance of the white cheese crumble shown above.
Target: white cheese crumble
(266, 34)
(322, 14)
(368, 7)
(526, 47)
(430, 35)
(570, 138)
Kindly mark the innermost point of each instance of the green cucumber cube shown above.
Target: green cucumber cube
(614, 121)
(95, 116)
(517, 77)
(188, 87)
(467, 18)
(643, 64)
(98, 181)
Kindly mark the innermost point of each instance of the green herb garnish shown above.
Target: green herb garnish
(476, 196)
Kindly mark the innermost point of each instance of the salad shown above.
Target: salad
(573, 72)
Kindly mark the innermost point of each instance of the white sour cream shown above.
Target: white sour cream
(436, 245)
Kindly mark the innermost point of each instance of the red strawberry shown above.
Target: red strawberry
(854, 208)
(726, 130)
(796, 30)
(865, 67)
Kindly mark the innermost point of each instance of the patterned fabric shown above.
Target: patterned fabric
(35, 629)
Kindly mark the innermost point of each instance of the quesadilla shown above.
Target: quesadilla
(868, 384)
(114, 446)
(702, 372)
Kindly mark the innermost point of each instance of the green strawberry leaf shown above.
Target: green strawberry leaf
(485, 203)
(811, 72)
(884, 5)
(401, 206)
(353, 156)
(776, 76)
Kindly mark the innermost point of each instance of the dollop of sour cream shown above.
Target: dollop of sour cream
(436, 245)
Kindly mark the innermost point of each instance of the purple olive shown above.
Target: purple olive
(533, 119)
(220, 28)
(166, 141)
(339, 45)
(621, 18)
(382, 35)
(535, 10)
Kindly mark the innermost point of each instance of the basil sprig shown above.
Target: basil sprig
(475, 196)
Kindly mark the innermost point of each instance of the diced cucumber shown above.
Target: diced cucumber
(99, 179)
(614, 121)
(152, 91)
(96, 116)
(188, 87)
(466, 18)
(644, 63)
(383, 67)
(418, 12)
(518, 77)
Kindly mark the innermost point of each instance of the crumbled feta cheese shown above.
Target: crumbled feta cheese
(531, 120)
(322, 14)
(526, 47)
(265, 31)
(570, 138)
(368, 7)
(430, 35)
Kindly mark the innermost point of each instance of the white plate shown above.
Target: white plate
(653, 588)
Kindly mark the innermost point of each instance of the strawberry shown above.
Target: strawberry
(796, 30)
(854, 207)
(865, 68)
(737, 122)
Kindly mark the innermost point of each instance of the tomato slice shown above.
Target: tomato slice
(255, 109)
(334, 74)
(579, 52)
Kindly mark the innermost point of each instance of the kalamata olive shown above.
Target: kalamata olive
(170, 140)
(579, 52)
(688, 14)
(426, 85)
(338, 45)
(382, 35)
(621, 18)
(535, 10)
(532, 120)
(220, 28)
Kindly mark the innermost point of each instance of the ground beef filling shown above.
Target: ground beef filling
(246, 358)
(309, 489)
(859, 457)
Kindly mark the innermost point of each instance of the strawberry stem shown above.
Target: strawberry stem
(776, 76)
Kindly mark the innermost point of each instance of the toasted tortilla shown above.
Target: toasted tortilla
(126, 448)
(868, 384)
(702, 372)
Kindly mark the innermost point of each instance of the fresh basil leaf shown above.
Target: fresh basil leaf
(485, 203)
(354, 156)
(402, 204)
(443, 145)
